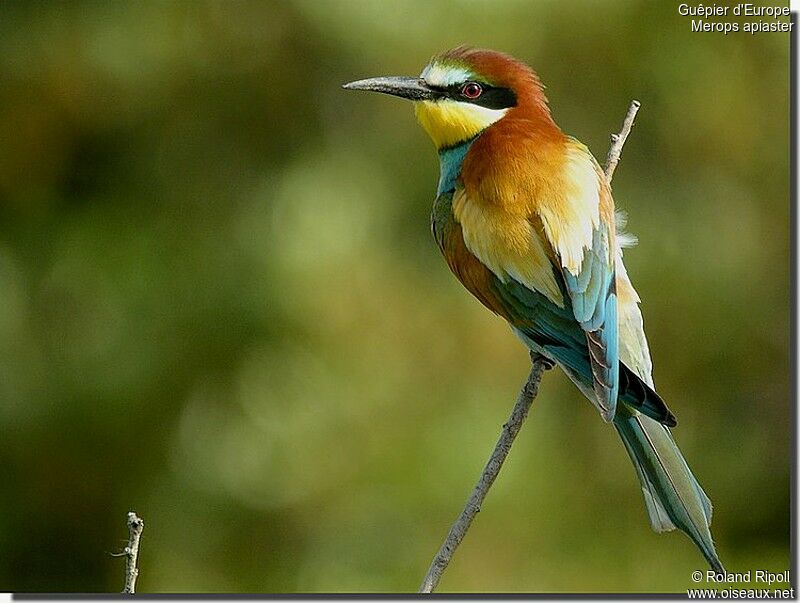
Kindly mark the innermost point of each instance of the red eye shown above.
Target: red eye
(471, 90)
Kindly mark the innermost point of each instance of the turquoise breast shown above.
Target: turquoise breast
(450, 160)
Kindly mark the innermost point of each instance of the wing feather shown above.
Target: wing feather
(590, 282)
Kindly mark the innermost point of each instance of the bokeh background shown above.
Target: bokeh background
(221, 306)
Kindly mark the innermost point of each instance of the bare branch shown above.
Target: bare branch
(518, 415)
(501, 450)
(618, 140)
(135, 527)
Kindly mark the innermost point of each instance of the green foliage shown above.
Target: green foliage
(220, 304)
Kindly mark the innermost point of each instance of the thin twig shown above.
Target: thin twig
(618, 140)
(510, 430)
(501, 450)
(135, 527)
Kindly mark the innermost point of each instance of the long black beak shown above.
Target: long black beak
(412, 88)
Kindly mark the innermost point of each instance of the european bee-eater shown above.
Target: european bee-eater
(525, 219)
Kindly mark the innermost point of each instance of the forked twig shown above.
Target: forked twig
(618, 140)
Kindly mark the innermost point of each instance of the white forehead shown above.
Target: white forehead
(445, 75)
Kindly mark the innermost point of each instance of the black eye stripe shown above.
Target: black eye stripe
(496, 98)
(493, 97)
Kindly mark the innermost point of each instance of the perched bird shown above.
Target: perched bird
(525, 219)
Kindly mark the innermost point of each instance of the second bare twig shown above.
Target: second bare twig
(135, 528)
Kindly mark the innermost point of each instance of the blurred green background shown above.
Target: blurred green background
(221, 306)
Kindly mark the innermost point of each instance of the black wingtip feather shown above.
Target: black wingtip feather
(635, 392)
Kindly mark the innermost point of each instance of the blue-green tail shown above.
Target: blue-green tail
(671, 493)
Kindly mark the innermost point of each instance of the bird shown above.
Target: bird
(525, 219)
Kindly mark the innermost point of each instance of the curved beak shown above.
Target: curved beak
(412, 88)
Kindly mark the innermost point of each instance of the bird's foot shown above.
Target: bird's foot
(537, 357)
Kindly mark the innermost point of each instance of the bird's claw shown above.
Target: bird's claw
(548, 364)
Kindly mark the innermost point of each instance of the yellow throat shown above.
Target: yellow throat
(449, 122)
